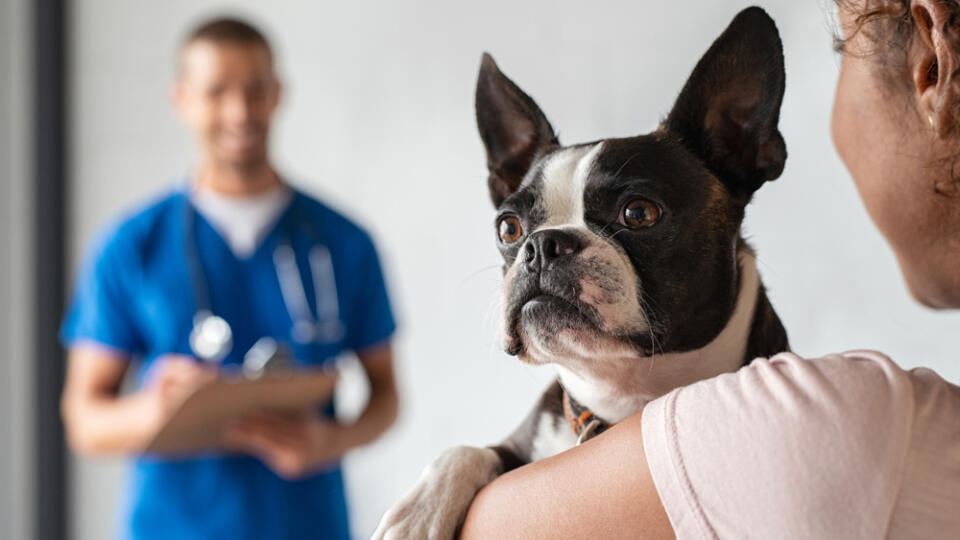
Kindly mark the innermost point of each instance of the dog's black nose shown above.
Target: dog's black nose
(544, 247)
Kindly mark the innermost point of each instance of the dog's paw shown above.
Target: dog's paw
(438, 502)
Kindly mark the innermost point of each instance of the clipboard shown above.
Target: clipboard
(197, 424)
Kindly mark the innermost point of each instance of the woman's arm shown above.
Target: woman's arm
(600, 489)
(783, 448)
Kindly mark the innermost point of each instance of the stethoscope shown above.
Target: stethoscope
(211, 337)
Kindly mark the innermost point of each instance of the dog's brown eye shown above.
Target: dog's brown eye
(510, 229)
(639, 214)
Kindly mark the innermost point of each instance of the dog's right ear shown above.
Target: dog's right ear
(729, 109)
(513, 128)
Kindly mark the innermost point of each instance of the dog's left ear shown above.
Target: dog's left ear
(728, 111)
(513, 128)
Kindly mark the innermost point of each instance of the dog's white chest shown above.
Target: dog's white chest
(552, 437)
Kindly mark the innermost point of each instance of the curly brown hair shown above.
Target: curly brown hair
(890, 27)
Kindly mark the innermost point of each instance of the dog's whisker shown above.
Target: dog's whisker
(478, 272)
(603, 231)
(646, 300)
(625, 163)
(493, 312)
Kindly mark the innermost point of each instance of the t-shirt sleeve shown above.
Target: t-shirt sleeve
(101, 309)
(372, 320)
(783, 448)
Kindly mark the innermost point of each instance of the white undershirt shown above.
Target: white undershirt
(243, 221)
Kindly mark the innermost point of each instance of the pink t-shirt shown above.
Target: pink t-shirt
(845, 446)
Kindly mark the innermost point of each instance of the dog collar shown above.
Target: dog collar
(583, 422)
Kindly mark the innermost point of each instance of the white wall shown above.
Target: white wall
(378, 119)
(16, 365)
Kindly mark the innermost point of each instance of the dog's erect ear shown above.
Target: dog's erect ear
(727, 113)
(513, 128)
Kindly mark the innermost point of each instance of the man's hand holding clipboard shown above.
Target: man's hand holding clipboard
(272, 416)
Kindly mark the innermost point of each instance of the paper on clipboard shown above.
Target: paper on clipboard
(198, 422)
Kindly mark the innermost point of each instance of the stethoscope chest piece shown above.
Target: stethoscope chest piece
(211, 338)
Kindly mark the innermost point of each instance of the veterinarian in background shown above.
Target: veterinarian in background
(232, 258)
(844, 446)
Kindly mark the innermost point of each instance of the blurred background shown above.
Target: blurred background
(377, 120)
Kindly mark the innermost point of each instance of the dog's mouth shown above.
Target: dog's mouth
(541, 314)
(535, 314)
(543, 305)
(575, 307)
(548, 307)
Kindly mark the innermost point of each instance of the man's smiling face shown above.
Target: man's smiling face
(227, 94)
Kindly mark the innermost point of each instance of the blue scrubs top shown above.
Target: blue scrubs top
(134, 294)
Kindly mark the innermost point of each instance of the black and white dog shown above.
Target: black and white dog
(624, 265)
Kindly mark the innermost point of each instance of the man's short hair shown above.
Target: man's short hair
(227, 30)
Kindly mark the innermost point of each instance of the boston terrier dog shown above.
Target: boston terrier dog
(624, 265)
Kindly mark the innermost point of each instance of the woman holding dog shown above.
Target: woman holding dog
(846, 446)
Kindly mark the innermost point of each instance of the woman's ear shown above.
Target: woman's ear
(934, 66)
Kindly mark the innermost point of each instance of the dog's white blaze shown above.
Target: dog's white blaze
(615, 386)
(565, 177)
(552, 437)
